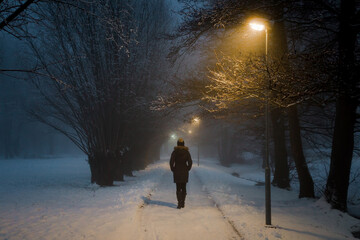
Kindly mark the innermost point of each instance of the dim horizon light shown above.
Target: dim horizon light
(257, 26)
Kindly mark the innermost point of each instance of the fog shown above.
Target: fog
(21, 136)
(121, 81)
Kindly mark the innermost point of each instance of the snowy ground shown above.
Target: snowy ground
(52, 199)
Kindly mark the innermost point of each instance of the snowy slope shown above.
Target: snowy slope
(243, 202)
(52, 199)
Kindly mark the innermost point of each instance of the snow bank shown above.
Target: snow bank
(242, 201)
(52, 199)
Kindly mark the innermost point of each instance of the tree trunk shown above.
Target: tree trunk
(343, 139)
(92, 164)
(341, 155)
(118, 169)
(102, 169)
(279, 49)
(127, 164)
(128, 170)
(305, 179)
(226, 148)
(281, 174)
(156, 152)
(222, 146)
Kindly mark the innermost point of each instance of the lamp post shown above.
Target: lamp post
(260, 25)
(196, 121)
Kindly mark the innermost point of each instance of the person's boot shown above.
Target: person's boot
(179, 198)
(183, 199)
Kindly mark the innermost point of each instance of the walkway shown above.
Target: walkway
(200, 219)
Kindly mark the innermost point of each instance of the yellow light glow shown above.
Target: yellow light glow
(196, 120)
(257, 26)
(190, 131)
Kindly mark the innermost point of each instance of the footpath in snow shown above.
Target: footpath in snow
(52, 199)
(200, 219)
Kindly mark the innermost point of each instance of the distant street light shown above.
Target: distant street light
(173, 136)
(259, 24)
(196, 120)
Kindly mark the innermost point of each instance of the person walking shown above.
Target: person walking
(180, 165)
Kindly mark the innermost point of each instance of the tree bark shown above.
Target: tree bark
(281, 174)
(226, 147)
(305, 179)
(102, 169)
(341, 154)
(118, 168)
(343, 139)
(127, 164)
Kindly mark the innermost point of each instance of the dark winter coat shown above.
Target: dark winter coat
(180, 164)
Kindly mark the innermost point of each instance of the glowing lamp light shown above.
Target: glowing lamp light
(196, 120)
(190, 131)
(173, 136)
(257, 26)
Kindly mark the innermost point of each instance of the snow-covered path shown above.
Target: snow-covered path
(200, 219)
(52, 199)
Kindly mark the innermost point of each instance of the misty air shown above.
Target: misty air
(179, 119)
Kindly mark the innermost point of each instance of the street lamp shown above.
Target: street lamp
(196, 120)
(260, 25)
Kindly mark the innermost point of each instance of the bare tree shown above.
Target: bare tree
(14, 15)
(347, 102)
(291, 69)
(95, 90)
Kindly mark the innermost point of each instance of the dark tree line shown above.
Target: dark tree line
(98, 65)
(17, 15)
(313, 59)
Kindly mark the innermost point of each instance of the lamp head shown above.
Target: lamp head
(196, 120)
(257, 26)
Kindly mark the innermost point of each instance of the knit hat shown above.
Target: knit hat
(180, 142)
